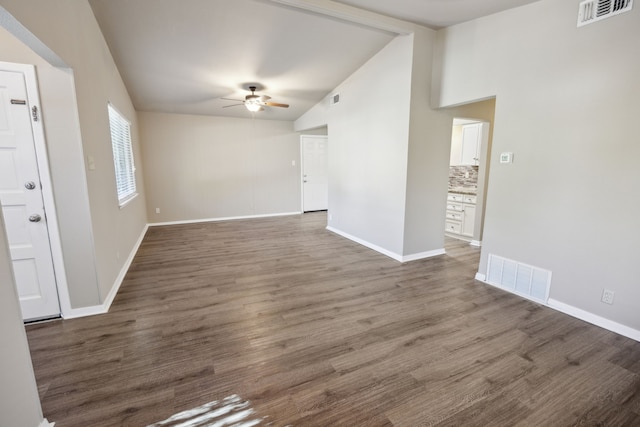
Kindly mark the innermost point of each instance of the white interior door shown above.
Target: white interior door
(22, 202)
(315, 184)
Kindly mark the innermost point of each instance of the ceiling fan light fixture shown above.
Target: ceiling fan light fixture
(253, 105)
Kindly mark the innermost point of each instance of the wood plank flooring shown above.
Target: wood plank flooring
(289, 324)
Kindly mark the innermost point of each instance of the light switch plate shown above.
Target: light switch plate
(506, 157)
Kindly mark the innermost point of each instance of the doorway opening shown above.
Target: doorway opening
(471, 136)
(462, 221)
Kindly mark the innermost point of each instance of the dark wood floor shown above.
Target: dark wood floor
(279, 322)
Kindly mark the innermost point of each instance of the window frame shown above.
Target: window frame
(123, 159)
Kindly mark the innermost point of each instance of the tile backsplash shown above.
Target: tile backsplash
(458, 177)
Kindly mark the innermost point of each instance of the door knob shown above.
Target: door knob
(35, 218)
(29, 185)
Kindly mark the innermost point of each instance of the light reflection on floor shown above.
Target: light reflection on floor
(231, 411)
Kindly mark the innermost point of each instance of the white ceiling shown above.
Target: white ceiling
(436, 13)
(182, 56)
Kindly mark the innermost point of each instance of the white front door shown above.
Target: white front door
(22, 202)
(315, 185)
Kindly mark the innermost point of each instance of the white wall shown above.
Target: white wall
(203, 167)
(567, 101)
(69, 29)
(19, 401)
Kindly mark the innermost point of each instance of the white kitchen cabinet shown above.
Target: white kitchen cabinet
(471, 137)
(466, 150)
(468, 219)
(460, 215)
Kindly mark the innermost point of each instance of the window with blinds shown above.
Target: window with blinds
(122, 156)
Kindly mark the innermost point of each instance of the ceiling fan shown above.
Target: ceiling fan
(255, 102)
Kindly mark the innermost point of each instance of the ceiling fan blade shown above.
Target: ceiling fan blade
(264, 98)
(275, 104)
(232, 105)
(231, 99)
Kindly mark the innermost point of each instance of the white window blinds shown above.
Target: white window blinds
(122, 155)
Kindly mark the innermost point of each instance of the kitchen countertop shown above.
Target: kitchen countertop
(463, 190)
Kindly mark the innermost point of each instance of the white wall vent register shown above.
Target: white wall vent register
(522, 279)
(591, 11)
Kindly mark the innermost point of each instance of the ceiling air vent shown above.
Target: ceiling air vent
(591, 11)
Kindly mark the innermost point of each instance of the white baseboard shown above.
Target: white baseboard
(610, 325)
(362, 242)
(511, 291)
(106, 304)
(92, 310)
(383, 251)
(103, 308)
(458, 236)
(578, 313)
(477, 243)
(45, 423)
(423, 255)
(125, 268)
(228, 218)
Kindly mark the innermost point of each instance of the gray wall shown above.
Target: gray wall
(202, 167)
(428, 156)
(19, 401)
(566, 104)
(61, 126)
(388, 151)
(368, 144)
(69, 29)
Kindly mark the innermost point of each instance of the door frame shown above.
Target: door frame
(302, 166)
(42, 159)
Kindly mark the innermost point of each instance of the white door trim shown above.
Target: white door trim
(33, 97)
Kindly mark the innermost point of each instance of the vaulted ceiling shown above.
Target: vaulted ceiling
(184, 56)
(436, 13)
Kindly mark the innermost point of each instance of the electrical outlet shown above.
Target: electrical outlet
(607, 296)
(157, 210)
